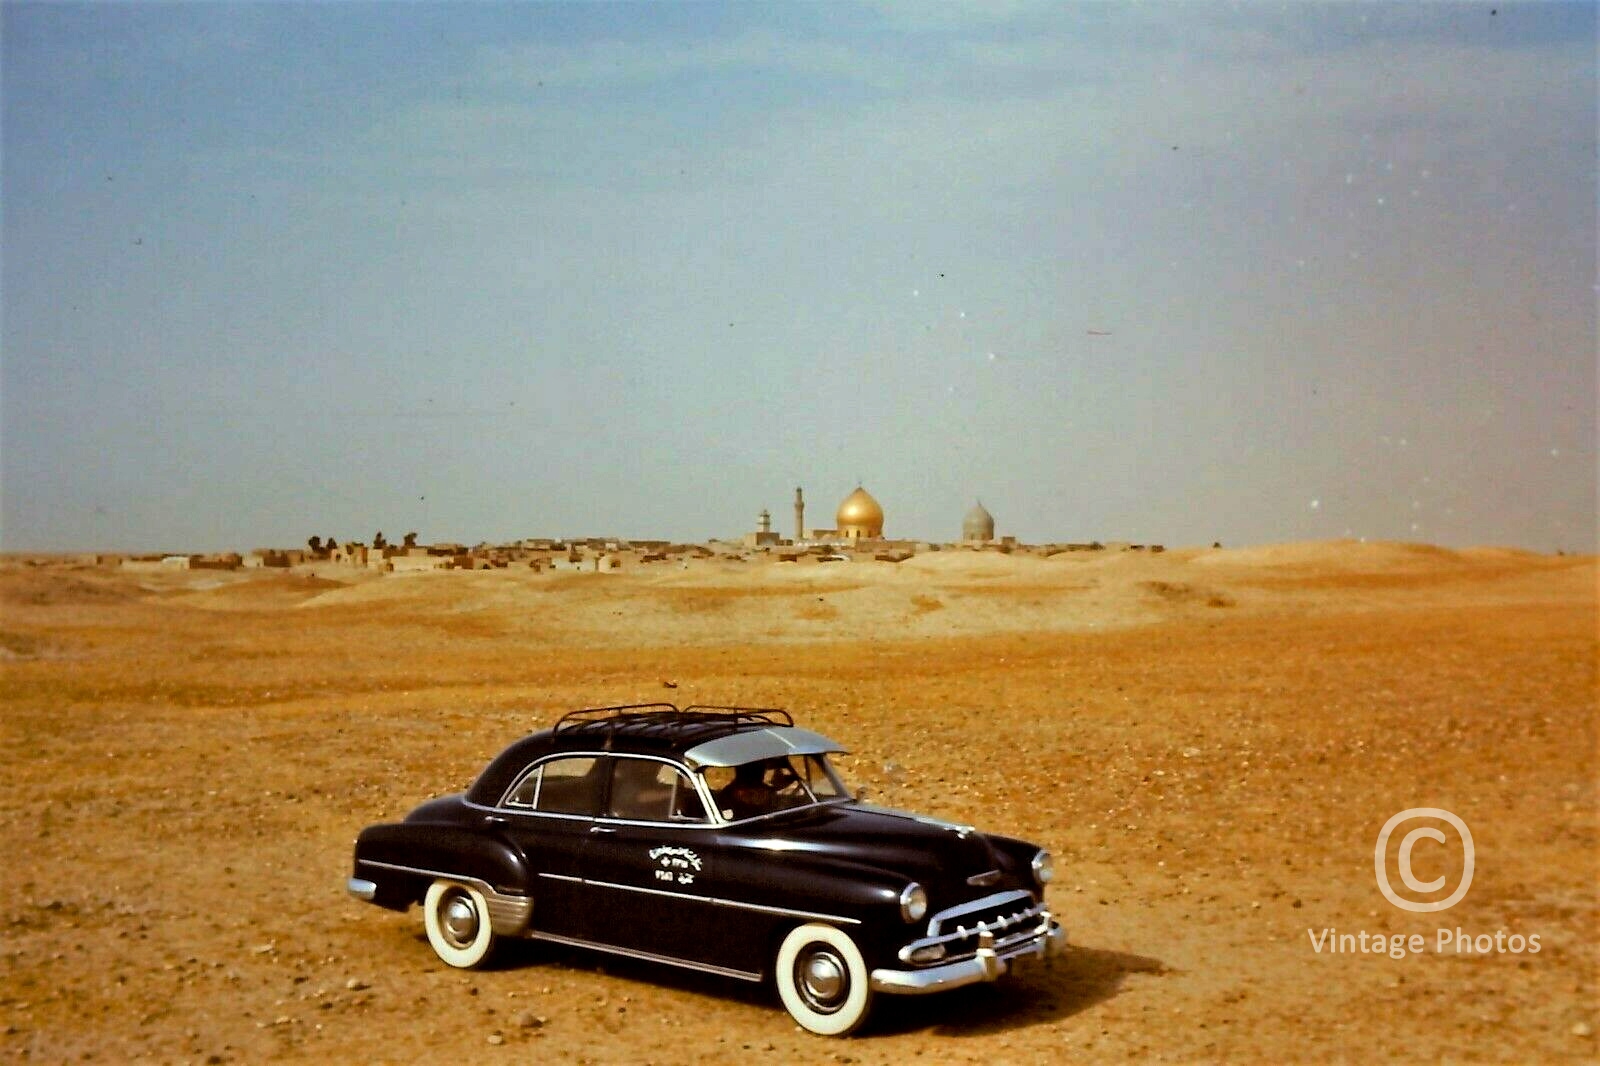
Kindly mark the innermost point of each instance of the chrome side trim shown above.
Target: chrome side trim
(509, 912)
(528, 812)
(648, 956)
(509, 915)
(788, 913)
(718, 901)
(361, 889)
(988, 964)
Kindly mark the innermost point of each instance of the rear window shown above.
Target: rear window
(560, 786)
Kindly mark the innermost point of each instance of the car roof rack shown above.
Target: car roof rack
(658, 718)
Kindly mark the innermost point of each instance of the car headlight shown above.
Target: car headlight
(913, 903)
(1044, 868)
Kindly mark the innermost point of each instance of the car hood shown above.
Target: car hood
(925, 849)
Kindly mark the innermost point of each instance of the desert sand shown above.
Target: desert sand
(1209, 741)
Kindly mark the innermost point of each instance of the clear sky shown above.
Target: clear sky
(1164, 272)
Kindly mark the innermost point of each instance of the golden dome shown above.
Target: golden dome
(859, 515)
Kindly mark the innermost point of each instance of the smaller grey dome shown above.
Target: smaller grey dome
(978, 525)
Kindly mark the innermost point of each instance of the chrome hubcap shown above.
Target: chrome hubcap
(823, 980)
(460, 920)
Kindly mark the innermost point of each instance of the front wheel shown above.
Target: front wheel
(823, 980)
(457, 919)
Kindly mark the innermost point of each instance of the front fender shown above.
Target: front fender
(1016, 858)
(861, 898)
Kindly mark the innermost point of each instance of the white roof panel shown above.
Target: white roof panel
(755, 744)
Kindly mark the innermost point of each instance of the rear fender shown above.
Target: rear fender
(403, 859)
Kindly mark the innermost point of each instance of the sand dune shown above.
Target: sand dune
(1338, 555)
(943, 594)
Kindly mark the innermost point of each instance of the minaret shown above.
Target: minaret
(799, 516)
(764, 521)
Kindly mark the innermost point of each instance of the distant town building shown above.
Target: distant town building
(978, 525)
(763, 537)
(222, 561)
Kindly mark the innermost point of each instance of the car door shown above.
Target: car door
(549, 814)
(652, 865)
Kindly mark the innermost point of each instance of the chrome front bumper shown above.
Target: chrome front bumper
(987, 965)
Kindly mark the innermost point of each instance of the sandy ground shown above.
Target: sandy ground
(1209, 740)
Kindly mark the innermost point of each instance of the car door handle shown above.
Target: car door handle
(601, 829)
(494, 819)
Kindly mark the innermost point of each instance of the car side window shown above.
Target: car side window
(560, 786)
(526, 793)
(649, 791)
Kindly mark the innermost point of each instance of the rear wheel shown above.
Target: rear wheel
(457, 919)
(823, 980)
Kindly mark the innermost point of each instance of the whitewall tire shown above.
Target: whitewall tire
(823, 980)
(457, 918)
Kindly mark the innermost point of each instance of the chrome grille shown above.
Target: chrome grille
(1009, 917)
(987, 911)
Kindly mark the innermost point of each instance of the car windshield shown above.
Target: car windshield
(776, 784)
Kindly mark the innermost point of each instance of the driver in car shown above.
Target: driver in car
(747, 795)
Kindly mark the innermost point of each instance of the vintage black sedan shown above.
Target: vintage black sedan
(718, 839)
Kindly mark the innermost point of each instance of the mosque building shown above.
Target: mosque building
(860, 517)
(859, 520)
(978, 525)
